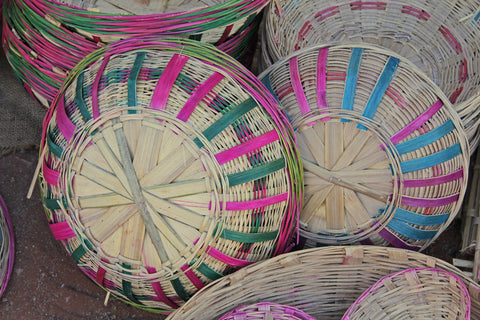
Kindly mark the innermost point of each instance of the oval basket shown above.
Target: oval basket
(417, 293)
(166, 165)
(439, 37)
(266, 310)
(322, 282)
(44, 39)
(7, 247)
(384, 153)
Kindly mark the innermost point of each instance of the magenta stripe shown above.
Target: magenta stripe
(96, 84)
(417, 123)
(425, 203)
(51, 176)
(247, 146)
(159, 292)
(192, 276)
(297, 86)
(322, 78)
(100, 276)
(254, 204)
(412, 183)
(395, 241)
(62, 230)
(198, 95)
(220, 256)
(67, 128)
(166, 81)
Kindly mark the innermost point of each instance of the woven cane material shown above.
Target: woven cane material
(417, 293)
(384, 153)
(266, 310)
(166, 165)
(439, 37)
(322, 282)
(7, 247)
(43, 39)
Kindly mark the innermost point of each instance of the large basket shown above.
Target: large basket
(266, 310)
(439, 37)
(166, 165)
(44, 39)
(7, 247)
(322, 282)
(417, 293)
(385, 156)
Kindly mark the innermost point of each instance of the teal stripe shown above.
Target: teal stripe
(127, 285)
(257, 172)
(411, 232)
(132, 80)
(52, 204)
(78, 253)
(197, 37)
(55, 149)
(227, 119)
(477, 17)
(406, 216)
(431, 160)
(351, 80)
(268, 84)
(209, 272)
(177, 286)
(425, 139)
(380, 88)
(248, 237)
(79, 98)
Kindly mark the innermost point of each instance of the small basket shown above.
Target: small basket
(266, 310)
(385, 156)
(165, 166)
(7, 247)
(418, 293)
(439, 37)
(322, 282)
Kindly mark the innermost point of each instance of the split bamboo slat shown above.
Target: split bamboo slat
(166, 165)
(7, 247)
(266, 310)
(384, 153)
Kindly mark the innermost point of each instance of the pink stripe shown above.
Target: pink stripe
(297, 86)
(322, 78)
(159, 292)
(198, 95)
(166, 81)
(254, 204)
(220, 256)
(425, 203)
(193, 277)
(51, 176)
(433, 181)
(417, 123)
(451, 39)
(96, 84)
(62, 230)
(67, 128)
(415, 12)
(247, 146)
(100, 276)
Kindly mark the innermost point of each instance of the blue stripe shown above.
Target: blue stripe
(477, 17)
(380, 88)
(268, 83)
(132, 81)
(431, 160)
(406, 216)
(411, 232)
(351, 80)
(425, 139)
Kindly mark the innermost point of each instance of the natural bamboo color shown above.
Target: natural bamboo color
(417, 293)
(266, 310)
(7, 247)
(167, 166)
(442, 38)
(385, 155)
(322, 282)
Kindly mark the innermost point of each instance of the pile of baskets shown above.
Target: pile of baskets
(7, 247)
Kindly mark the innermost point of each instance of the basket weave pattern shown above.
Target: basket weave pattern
(7, 247)
(266, 310)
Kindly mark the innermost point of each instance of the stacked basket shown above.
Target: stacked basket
(7, 247)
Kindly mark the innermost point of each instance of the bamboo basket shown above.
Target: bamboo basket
(417, 293)
(439, 37)
(7, 247)
(165, 164)
(44, 39)
(322, 282)
(380, 165)
(266, 310)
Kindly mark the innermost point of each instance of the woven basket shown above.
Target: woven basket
(44, 39)
(384, 154)
(7, 247)
(439, 37)
(322, 282)
(418, 293)
(266, 310)
(166, 165)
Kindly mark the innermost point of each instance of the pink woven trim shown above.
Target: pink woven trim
(198, 95)
(322, 78)
(95, 87)
(51, 176)
(415, 12)
(297, 86)
(220, 256)
(451, 39)
(166, 81)
(247, 146)
(159, 292)
(192, 277)
(368, 5)
(412, 183)
(425, 203)
(66, 127)
(62, 230)
(321, 15)
(455, 95)
(254, 204)
(417, 123)
(100, 276)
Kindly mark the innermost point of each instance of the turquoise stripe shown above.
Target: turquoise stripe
(54, 148)
(248, 237)
(351, 80)
(411, 232)
(268, 83)
(79, 98)
(380, 88)
(132, 80)
(477, 17)
(425, 139)
(257, 172)
(431, 160)
(406, 216)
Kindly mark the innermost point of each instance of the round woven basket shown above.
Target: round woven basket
(266, 310)
(439, 37)
(44, 39)
(322, 282)
(384, 153)
(417, 293)
(7, 247)
(166, 165)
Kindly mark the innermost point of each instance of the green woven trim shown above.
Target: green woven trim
(52, 203)
(177, 286)
(248, 237)
(78, 253)
(79, 98)
(132, 80)
(127, 286)
(196, 37)
(257, 172)
(208, 272)
(54, 148)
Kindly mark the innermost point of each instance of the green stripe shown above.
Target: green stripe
(132, 80)
(257, 172)
(127, 285)
(177, 286)
(55, 149)
(248, 237)
(196, 37)
(78, 253)
(79, 98)
(52, 204)
(209, 272)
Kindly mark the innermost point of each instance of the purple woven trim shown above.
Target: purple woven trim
(322, 78)
(11, 238)
(395, 241)
(433, 181)
(297, 86)
(428, 203)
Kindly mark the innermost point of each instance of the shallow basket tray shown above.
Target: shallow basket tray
(7, 247)
(385, 155)
(439, 37)
(322, 282)
(417, 293)
(165, 164)
(266, 310)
